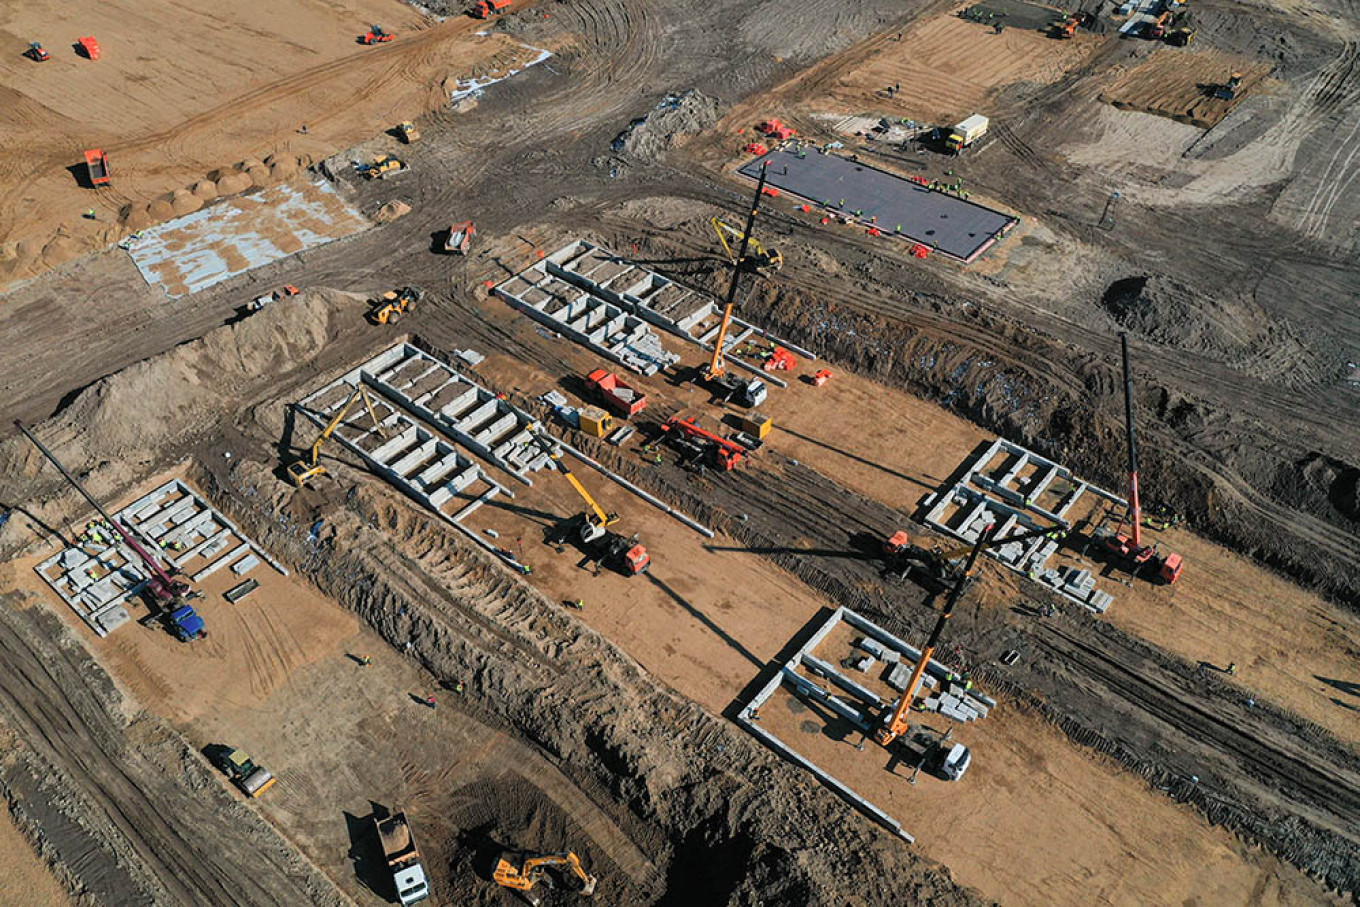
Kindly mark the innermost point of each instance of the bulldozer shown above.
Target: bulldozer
(393, 304)
(408, 132)
(522, 870)
(303, 470)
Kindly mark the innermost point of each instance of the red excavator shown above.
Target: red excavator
(1128, 548)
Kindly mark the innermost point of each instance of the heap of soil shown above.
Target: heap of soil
(1159, 309)
(391, 211)
(120, 423)
(676, 118)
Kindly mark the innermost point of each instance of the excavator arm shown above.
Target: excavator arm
(530, 872)
(302, 470)
(555, 454)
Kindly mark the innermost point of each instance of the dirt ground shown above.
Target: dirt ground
(26, 879)
(262, 72)
(1180, 85)
(1228, 258)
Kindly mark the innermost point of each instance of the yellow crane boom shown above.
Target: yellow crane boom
(309, 467)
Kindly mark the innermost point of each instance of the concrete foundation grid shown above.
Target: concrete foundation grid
(99, 575)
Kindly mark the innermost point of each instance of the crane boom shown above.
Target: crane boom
(163, 586)
(897, 720)
(1133, 445)
(555, 454)
(717, 367)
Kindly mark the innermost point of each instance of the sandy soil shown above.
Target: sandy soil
(260, 71)
(24, 878)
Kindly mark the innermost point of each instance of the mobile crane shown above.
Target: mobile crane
(937, 565)
(521, 871)
(602, 545)
(169, 595)
(309, 467)
(1129, 548)
(732, 387)
(894, 722)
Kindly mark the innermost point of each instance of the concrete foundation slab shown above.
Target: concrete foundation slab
(895, 205)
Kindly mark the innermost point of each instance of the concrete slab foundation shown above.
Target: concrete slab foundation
(895, 205)
(1020, 491)
(100, 574)
(853, 701)
(613, 281)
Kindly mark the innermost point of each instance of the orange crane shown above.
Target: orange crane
(1130, 548)
(747, 393)
(895, 722)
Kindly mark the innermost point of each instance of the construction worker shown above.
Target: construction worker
(366, 660)
(458, 687)
(577, 604)
(1232, 667)
(429, 700)
(89, 214)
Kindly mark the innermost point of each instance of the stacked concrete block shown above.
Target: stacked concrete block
(899, 676)
(870, 645)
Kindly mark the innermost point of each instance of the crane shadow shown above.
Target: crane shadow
(858, 459)
(705, 620)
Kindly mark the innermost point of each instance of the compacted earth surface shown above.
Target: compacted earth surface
(1195, 743)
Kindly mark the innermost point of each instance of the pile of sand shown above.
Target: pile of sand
(674, 119)
(391, 211)
(141, 414)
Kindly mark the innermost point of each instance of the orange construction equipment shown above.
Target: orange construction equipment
(821, 377)
(780, 360)
(617, 394)
(776, 130)
(36, 53)
(755, 148)
(1130, 548)
(725, 454)
(485, 9)
(90, 47)
(97, 165)
(460, 237)
(895, 722)
(375, 35)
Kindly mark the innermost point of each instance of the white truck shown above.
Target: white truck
(403, 858)
(966, 133)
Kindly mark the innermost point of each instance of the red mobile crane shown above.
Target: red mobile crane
(726, 455)
(169, 593)
(1130, 548)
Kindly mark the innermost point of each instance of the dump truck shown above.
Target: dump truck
(460, 238)
(97, 166)
(616, 394)
(403, 858)
(967, 133)
(251, 778)
(485, 9)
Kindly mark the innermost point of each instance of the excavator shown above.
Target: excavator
(1129, 549)
(303, 470)
(601, 544)
(762, 261)
(731, 387)
(938, 566)
(521, 871)
(393, 305)
(894, 721)
(170, 596)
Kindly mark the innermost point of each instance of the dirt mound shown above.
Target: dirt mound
(391, 211)
(125, 420)
(674, 119)
(1162, 310)
(1322, 485)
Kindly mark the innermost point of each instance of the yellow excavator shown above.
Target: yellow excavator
(758, 258)
(522, 870)
(309, 467)
(601, 544)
